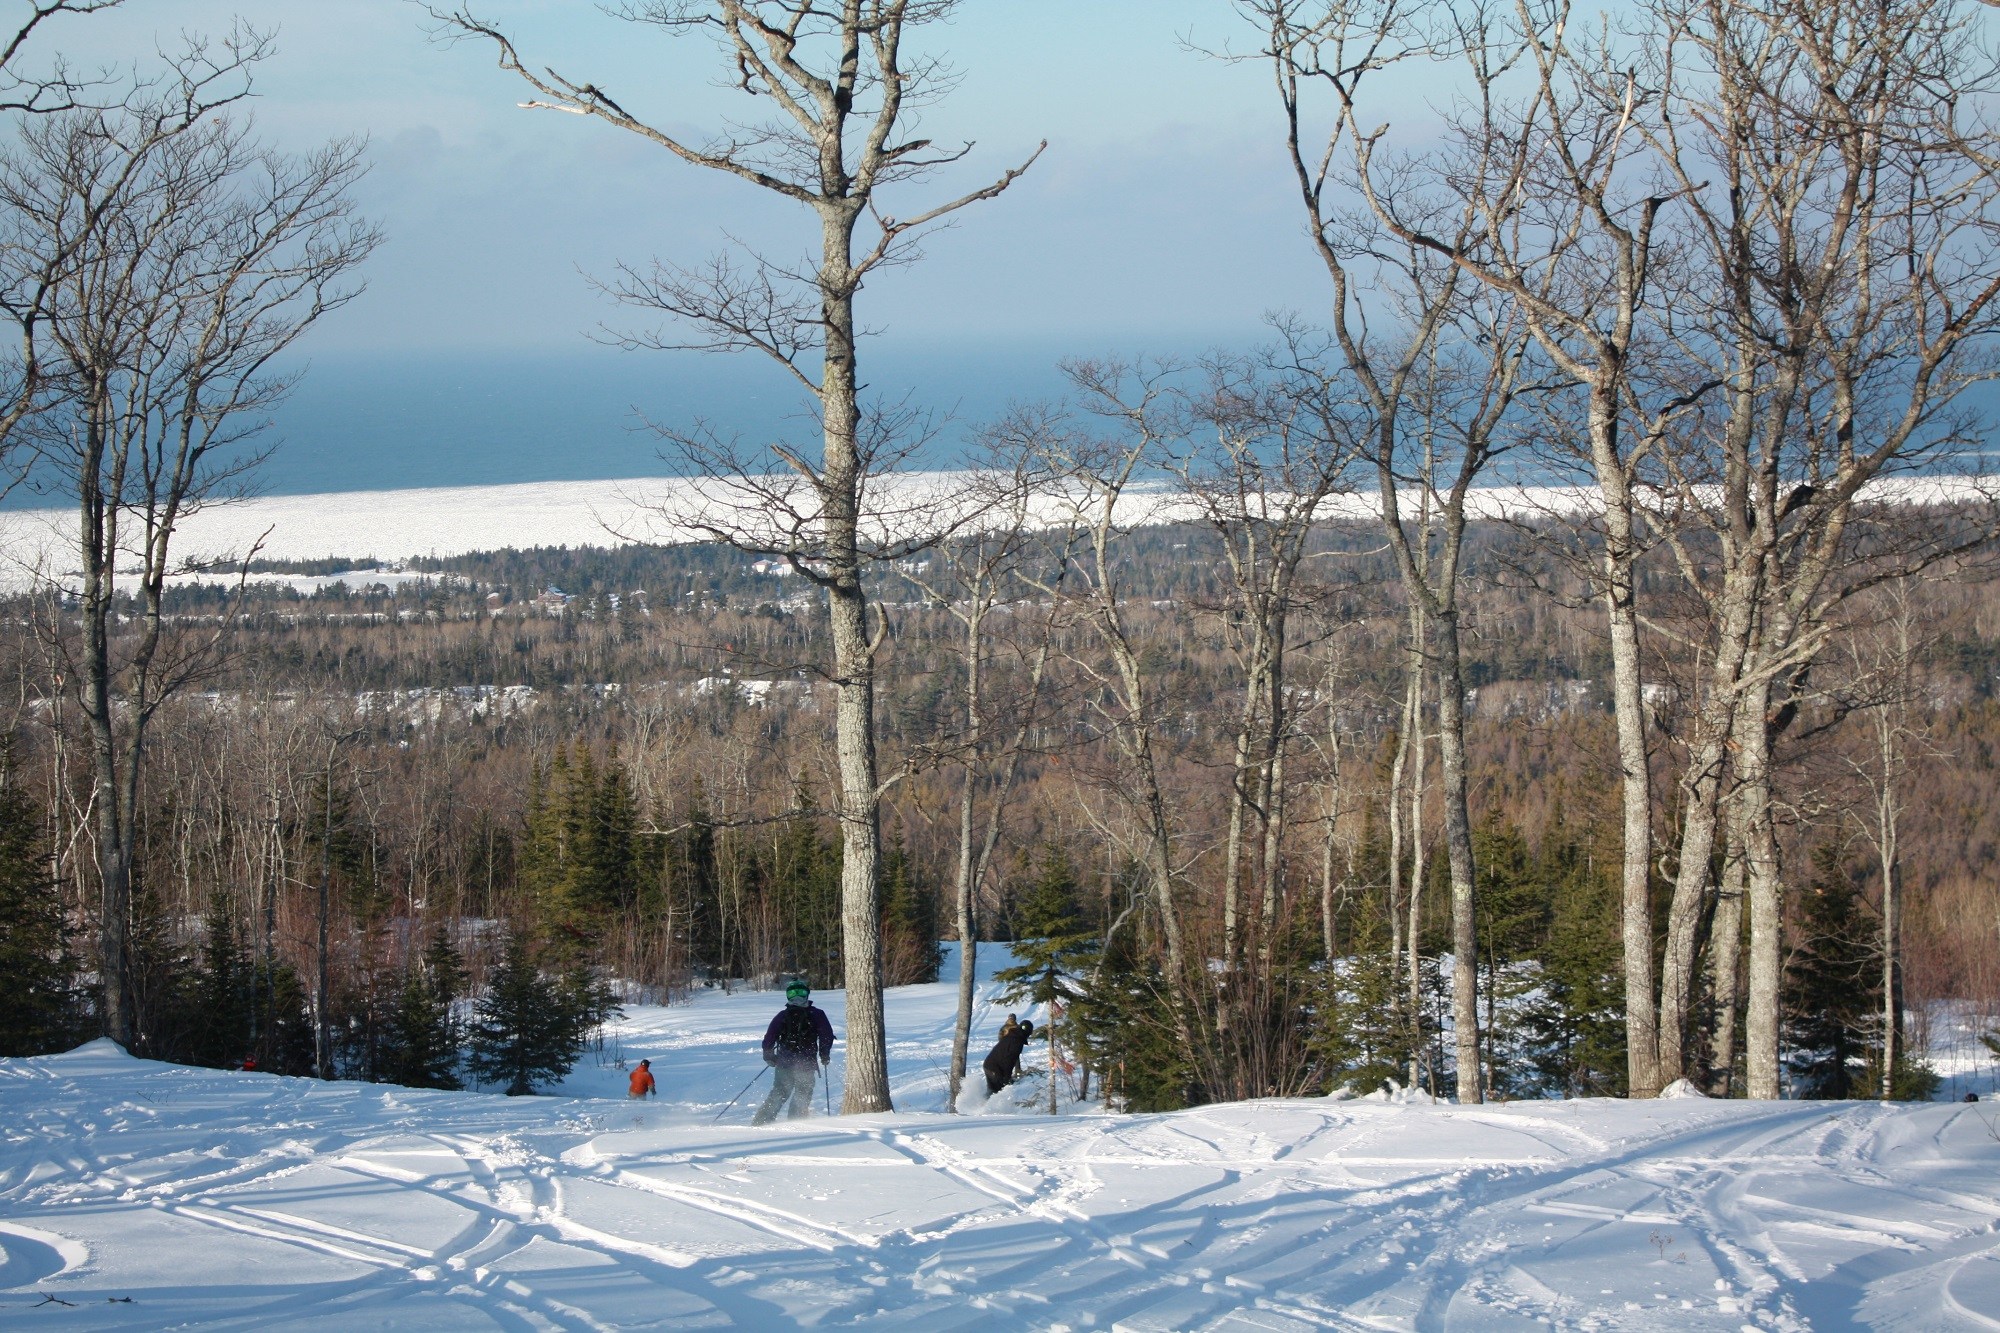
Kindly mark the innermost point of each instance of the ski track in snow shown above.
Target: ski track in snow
(243, 1201)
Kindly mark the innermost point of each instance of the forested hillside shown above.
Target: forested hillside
(622, 753)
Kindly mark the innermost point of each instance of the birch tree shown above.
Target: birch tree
(1845, 204)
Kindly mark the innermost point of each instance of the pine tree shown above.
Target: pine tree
(803, 875)
(1514, 919)
(527, 1029)
(1056, 947)
(1574, 1024)
(607, 862)
(1358, 1040)
(223, 1012)
(422, 1050)
(1829, 993)
(163, 979)
(911, 953)
(692, 886)
(42, 1008)
(1123, 1023)
(1052, 941)
(284, 1042)
(331, 832)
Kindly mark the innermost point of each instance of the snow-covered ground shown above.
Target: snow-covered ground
(150, 1196)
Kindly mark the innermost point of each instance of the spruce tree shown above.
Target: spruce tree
(164, 977)
(284, 1043)
(1052, 941)
(42, 1007)
(1513, 923)
(529, 1030)
(1055, 946)
(1574, 1025)
(911, 953)
(803, 875)
(422, 1050)
(607, 869)
(693, 890)
(1829, 992)
(223, 1011)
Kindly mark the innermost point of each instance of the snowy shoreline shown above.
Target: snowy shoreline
(396, 525)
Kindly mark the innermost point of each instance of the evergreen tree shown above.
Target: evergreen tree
(1357, 1039)
(364, 1009)
(1055, 946)
(911, 953)
(42, 1008)
(693, 889)
(163, 979)
(1362, 1033)
(527, 1029)
(335, 839)
(1829, 993)
(284, 1042)
(422, 1048)
(1123, 1023)
(224, 1008)
(802, 874)
(1052, 941)
(1573, 1023)
(607, 862)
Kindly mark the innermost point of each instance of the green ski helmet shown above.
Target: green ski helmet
(796, 991)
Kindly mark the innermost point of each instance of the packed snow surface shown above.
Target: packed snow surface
(149, 1196)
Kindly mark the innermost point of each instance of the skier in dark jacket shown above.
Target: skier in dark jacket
(798, 1039)
(1003, 1062)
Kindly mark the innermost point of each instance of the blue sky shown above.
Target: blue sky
(1160, 217)
(1161, 206)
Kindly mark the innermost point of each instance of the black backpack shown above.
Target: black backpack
(799, 1035)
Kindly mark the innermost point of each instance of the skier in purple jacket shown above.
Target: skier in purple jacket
(798, 1039)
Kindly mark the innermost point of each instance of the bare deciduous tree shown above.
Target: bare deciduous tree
(975, 578)
(180, 259)
(841, 85)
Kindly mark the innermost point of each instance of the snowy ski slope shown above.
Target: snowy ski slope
(149, 1196)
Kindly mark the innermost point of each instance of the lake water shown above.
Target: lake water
(373, 422)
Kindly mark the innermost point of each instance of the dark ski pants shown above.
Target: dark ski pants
(787, 1081)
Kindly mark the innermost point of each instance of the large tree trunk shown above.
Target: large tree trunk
(867, 1088)
(968, 944)
(1629, 708)
(1420, 873)
(1886, 838)
(98, 548)
(1726, 956)
(1398, 777)
(1701, 790)
(1458, 850)
(1767, 904)
(1239, 801)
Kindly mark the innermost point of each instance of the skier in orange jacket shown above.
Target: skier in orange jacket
(642, 1080)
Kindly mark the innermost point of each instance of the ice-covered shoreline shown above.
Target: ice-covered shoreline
(390, 526)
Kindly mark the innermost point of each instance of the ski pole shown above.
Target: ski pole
(739, 1096)
(826, 1083)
